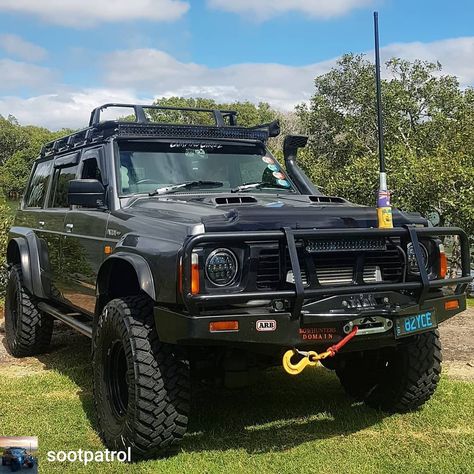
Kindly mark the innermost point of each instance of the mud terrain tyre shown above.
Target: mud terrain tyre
(28, 330)
(395, 379)
(141, 386)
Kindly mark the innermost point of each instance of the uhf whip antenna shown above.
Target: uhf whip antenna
(384, 209)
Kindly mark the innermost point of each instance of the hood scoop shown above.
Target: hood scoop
(234, 200)
(327, 200)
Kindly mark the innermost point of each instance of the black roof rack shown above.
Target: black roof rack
(225, 127)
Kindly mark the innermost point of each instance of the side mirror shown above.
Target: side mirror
(291, 145)
(86, 193)
(434, 218)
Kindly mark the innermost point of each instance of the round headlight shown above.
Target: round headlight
(412, 265)
(221, 267)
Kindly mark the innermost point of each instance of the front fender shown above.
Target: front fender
(139, 264)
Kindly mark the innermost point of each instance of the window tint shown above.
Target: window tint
(146, 167)
(38, 185)
(62, 176)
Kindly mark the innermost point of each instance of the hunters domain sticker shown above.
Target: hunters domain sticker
(317, 334)
(264, 325)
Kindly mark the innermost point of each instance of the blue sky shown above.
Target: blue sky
(60, 59)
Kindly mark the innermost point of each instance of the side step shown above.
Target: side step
(68, 318)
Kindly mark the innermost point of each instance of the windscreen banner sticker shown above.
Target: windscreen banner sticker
(273, 167)
(279, 175)
(317, 334)
(268, 160)
(201, 146)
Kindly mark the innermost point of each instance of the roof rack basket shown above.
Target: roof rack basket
(224, 127)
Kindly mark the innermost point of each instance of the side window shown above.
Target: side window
(61, 179)
(90, 169)
(38, 185)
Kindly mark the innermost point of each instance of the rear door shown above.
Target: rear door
(33, 215)
(84, 247)
(54, 214)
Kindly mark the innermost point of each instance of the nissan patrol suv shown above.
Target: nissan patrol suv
(185, 251)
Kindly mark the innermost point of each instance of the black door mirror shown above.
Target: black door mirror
(86, 193)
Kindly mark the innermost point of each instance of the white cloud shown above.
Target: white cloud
(66, 108)
(156, 74)
(84, 13)
(16, 75)
(265, 9)
(454, 54)
(16, 46)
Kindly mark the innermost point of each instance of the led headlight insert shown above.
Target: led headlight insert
(412, 264)
(221, 267)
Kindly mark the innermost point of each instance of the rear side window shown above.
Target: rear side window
(39, 184)
(61, 179)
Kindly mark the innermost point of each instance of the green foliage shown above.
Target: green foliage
(19, 147)
(249, 114)
(429, 137)
(6, 220)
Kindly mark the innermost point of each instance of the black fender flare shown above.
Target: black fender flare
(29, 258)
(139, 264)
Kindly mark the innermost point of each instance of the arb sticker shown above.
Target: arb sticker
(266, 325)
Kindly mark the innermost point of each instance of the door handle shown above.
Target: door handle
(69, 227)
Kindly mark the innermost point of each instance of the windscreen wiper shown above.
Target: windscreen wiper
(247, 186)
(187, 185)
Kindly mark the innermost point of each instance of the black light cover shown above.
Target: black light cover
(412, 264)
(221, 267)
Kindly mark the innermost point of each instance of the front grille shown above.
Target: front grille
(330, 268)
(268, 269)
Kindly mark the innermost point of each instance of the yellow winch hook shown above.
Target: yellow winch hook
(310, 358)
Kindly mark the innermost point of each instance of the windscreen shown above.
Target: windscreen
(145, 167)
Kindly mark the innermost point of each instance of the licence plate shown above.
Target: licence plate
(408, 325)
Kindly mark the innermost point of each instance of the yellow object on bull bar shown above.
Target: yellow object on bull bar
(384, 215)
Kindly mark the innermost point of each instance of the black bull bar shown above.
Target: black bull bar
(297, 296)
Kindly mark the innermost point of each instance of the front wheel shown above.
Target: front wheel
(141, 386)
(397, 379)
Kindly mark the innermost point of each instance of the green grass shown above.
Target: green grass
(286, 425)
(470, 302)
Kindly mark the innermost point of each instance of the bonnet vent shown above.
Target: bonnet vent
(327, 200)
(226, 200)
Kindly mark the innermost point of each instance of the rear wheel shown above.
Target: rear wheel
(141, 386)
(394, 379)
(28, 330)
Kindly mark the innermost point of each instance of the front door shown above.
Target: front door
(83, 249)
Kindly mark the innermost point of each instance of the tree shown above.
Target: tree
(429, 137)
(19, 147)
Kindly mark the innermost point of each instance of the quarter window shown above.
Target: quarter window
(38, 184)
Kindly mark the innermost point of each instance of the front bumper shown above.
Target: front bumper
(310, 331)
(315, 316)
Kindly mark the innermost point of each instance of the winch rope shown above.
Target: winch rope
(312, 358)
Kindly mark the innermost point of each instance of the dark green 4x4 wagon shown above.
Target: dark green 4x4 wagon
(188, 252)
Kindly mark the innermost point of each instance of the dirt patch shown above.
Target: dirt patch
(457, 337)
